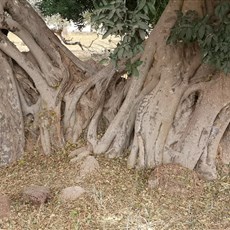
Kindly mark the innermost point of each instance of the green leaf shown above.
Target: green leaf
(127, 48)
(108, 22)
(119, 26)
(111, 14)
(201, 31)
(222, 9)
(152, 8)
(143, 16)
(208, 41)
(103, 61)
(142, 34)
(114, 61)
(104, 2)
(217, 48)
(141, 5)
(138, 63)
(189, 34)
(108, 32)
(107, 7)
(172, 39)
(95, 5)
(118, 12)
(120, 53)
(135, 72)
(143, 25)
(146, 9)
(101, 16)
(182, 33)
(128, 67)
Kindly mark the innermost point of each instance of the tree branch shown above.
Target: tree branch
(31, 69)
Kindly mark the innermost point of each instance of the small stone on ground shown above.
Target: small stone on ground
(81, 156)
(36, 194)
(71, 193)
(89, 166)
(76, 152)
(175, 180)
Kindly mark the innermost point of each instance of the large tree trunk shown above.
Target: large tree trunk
(185, 116)
(12, 137)
(174, 112)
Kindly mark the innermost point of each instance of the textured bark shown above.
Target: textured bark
(43, 73)
(203, 120)
(176, 111)
(185, 116)
(224, 148)
(12, 138)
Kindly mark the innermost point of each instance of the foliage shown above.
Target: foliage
(131, 21)
(212, 33)
(56, 21)
(68, 9)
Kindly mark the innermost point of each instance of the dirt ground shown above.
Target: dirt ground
(117, 198)
(93, 45)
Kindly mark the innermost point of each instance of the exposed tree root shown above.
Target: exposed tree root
(12, 137)
(224, 147)
(174, 112)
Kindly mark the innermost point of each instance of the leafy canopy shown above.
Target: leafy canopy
(212, 33)
(68, 9)
(131, 21)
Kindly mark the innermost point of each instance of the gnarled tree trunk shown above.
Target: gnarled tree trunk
(176, 111)
(184, 118)
(12, 138)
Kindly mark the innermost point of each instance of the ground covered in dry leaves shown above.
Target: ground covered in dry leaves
(116, 198)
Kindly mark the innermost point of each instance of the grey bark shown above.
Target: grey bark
(12, 138)
(174, 112)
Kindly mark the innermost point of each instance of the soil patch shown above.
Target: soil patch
(115, 198)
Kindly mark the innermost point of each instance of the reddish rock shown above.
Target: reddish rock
(36, 194)
(175, 180)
